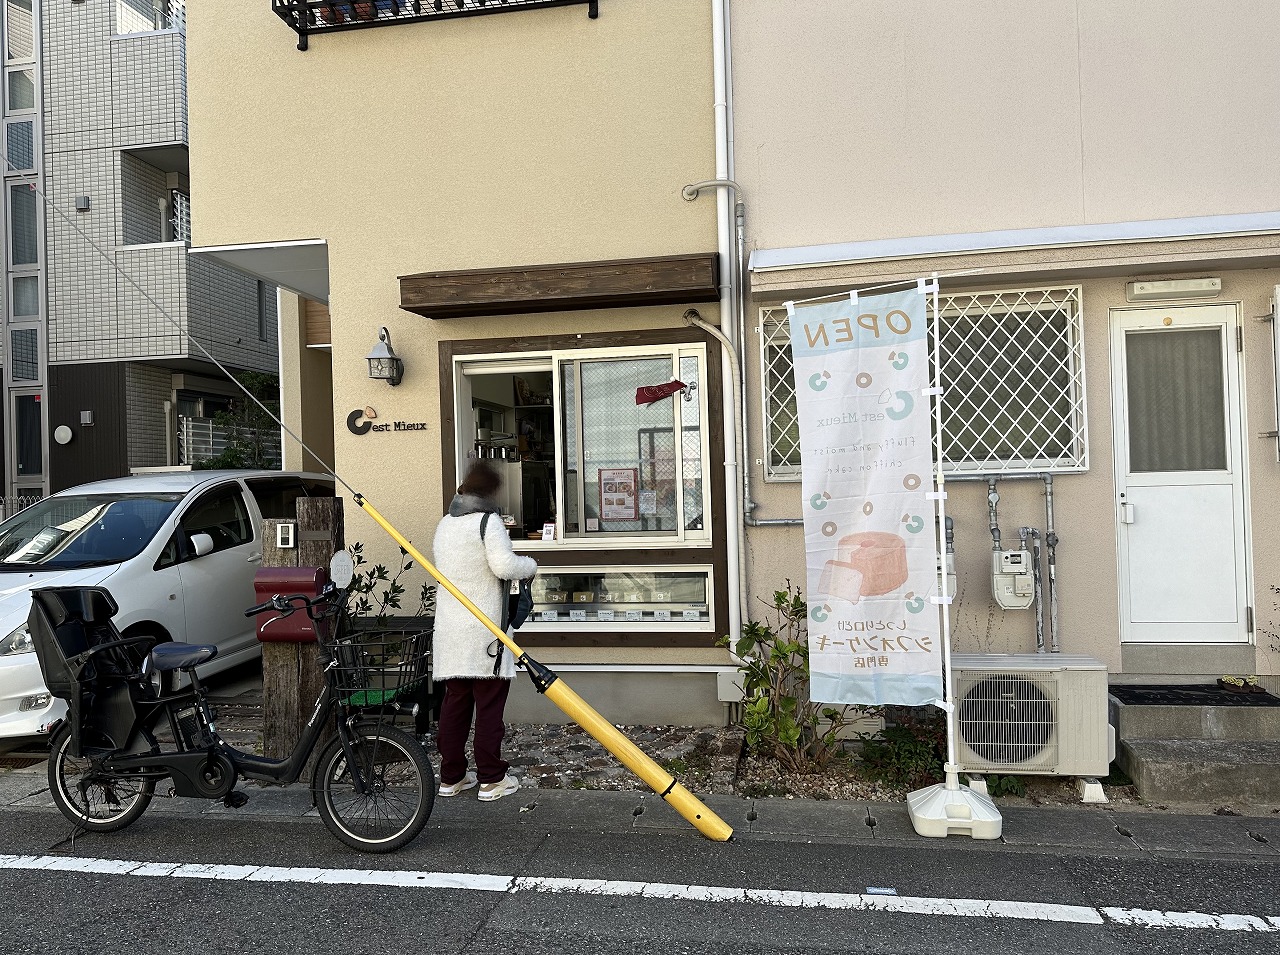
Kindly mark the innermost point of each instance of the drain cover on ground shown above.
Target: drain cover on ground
(20, 762)
(1206, 694)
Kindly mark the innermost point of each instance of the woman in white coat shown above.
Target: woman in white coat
(474, 666)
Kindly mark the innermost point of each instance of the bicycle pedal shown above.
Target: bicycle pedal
(234, 799)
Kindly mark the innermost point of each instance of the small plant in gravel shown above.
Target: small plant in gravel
(1006, 786)
(909, 752)
(780, 719)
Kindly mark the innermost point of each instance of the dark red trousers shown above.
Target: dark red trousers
(488, 699)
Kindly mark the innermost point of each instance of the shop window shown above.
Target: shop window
(1012, 370)
(579, 453)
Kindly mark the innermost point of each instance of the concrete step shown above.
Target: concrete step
(1146, 721)
(1203, 770)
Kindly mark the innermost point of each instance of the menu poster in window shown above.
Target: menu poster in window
(618, 494)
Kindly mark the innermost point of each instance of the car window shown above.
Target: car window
(222, 515)
(83, 530)
(277, 497)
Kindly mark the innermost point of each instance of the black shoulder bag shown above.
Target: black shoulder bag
(516, 608)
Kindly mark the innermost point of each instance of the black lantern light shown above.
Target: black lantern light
(383, 363)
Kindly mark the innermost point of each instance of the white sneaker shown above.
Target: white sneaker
(468, 781)
(503, 787)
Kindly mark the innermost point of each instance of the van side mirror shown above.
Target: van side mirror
(202, 543)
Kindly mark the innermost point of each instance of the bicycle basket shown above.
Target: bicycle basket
(375, 669)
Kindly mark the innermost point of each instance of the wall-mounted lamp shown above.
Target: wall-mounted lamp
(383, 363)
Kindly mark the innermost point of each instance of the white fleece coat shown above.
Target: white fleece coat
(461, 642)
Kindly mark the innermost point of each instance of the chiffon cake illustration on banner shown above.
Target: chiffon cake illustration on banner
(872, 563)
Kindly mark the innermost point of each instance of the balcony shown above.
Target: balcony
(306, 17)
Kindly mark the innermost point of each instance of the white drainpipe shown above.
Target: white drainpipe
(729, 288)
(731, 297)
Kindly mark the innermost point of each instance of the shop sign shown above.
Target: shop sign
(363, 420)
(862, 394)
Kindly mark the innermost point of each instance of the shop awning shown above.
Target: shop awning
(619, 283)
(300, 266)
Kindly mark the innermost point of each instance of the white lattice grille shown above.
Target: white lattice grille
(1013, 379)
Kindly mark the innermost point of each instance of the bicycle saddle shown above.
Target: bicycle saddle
(180, 656)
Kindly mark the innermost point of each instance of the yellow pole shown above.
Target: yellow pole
(577, 709)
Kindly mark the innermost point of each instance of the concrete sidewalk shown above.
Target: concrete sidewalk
(1084, 830)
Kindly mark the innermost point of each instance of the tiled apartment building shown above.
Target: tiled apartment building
(97, 381)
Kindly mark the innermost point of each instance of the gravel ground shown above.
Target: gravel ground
(708, 761)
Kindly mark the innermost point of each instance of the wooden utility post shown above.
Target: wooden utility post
(291, 677)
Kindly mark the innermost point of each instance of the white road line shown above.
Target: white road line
(465, 881)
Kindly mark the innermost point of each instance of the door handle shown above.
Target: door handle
(252, 558)
(1126, 513)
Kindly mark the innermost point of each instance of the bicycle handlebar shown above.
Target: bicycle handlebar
(285, 604)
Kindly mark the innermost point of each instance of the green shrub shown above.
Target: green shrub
(779, 718)
(910, 751)
(368, 601)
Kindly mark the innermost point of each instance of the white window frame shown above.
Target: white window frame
(1071, 404)
(515, 363)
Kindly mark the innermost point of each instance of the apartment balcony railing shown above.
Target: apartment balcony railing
(306, 17)
(199, 439)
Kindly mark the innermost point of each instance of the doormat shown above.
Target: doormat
(1195, 694)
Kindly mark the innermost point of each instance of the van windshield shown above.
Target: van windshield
(82, 530)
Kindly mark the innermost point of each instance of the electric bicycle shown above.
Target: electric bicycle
(373, 783)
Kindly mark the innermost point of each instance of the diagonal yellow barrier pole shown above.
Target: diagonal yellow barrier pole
(576, 708)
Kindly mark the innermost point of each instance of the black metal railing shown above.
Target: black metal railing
(306, 17)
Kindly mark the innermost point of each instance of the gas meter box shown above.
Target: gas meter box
(1012, 581)
(297, 627)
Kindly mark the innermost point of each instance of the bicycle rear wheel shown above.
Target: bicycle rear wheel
(400, 789)
(91, 798)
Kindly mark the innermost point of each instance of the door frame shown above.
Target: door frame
(1238, 448)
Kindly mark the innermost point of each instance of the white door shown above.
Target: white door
(1179, 475)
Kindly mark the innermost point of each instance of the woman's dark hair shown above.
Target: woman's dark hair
(481, 480)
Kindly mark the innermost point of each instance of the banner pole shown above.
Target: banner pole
(948, 807)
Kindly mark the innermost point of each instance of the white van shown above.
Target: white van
(178, 551)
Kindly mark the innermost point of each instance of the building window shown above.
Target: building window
(18, 35)
(22, 90)
(147, 16)
(26, 296)
(23, 226)
(577, 451)
(262, 311)
(20, 146)
(1013, 379)
(26, 354)
(29, 436)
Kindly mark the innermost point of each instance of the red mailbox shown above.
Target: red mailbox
(286, 582)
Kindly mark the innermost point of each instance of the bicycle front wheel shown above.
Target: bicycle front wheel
(88, 795)
(399, 784)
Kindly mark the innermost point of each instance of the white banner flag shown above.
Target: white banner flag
(862, 376)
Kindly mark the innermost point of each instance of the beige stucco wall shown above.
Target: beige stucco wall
(526, 137)
(1085, 513)
(856, 121)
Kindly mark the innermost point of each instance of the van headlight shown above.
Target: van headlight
(17, 642)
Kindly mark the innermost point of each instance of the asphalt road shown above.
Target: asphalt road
(439, 906)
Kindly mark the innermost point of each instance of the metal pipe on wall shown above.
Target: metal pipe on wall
(1037, 583)
(1051, 542)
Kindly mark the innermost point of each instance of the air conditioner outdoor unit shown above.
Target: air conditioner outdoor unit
(1031, 714)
